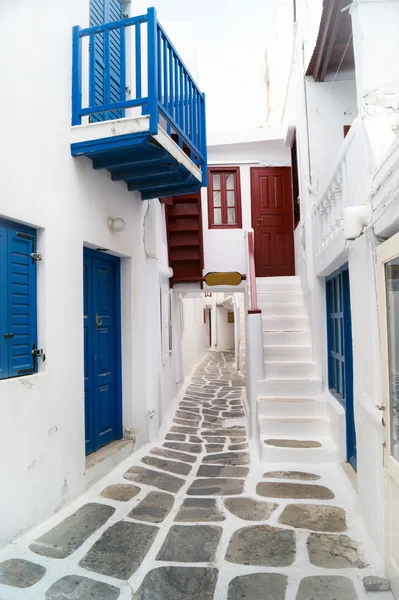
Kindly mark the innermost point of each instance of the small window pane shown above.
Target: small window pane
(230, 181)
(216, 182)
(231, 216)
(217, 199)
(230, 199)
(217, 216)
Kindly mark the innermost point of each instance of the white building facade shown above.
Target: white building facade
(96, 300)
(333, 84)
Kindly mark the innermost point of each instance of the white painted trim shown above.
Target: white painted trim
(109, 129)
(129, 125)
(177, 153)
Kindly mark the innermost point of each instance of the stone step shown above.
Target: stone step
(286, 353)
(279, 298)
(281, 310)
(296, 388)
(292, 426)
(280, 370)
(285, 323)
(293, 407)
(326, 452)
(278, 284)
(286, 338)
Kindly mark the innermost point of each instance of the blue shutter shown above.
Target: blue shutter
(106, 11)
(3, 304)
(21, 302)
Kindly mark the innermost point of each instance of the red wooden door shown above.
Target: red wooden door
(272, 221)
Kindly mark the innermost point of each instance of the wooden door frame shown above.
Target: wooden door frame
(252, 171)
(387, 251)
(118, 337)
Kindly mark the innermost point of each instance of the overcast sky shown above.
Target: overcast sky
(229, 37)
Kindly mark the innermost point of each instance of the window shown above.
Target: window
(224, 198)
(17, 300)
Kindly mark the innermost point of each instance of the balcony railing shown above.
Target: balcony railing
(131, 66)
(345, 188)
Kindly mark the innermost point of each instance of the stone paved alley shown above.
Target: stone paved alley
(197, 516)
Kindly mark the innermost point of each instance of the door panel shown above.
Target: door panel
(102, 349)
(272, 221)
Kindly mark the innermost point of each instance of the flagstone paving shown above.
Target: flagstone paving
(197, 516)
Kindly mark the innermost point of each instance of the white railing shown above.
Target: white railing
(341, 190)
(254, 337)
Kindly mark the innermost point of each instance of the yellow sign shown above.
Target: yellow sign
(232, 278)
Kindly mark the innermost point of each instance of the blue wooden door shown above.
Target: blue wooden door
(106, 11)
(340, 356)
(102, 388)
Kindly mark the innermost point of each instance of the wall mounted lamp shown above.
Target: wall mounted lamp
(116, 223)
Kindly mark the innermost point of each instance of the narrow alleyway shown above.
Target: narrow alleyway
(197, 516)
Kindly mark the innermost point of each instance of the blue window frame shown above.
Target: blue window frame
(340, 355)
(106, 11)
(17, 300)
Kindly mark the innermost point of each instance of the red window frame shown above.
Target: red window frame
(223, 172)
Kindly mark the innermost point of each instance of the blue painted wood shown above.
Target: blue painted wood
(102, 325)
(340, 357)
(105, 81)
(152, 70)
(172, 92)
(18, 320)
(3, 303)
(76, 76)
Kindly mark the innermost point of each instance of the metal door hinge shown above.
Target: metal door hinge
(380, 406)
(384, 445)
(38, 353)
(36, 257)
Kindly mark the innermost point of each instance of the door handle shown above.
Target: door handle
(98, 321)
(260, 220)
(9, 336)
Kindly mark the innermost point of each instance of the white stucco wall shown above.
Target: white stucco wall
(42, 458)
(195, 332)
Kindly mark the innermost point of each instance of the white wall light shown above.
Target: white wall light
(116, 223)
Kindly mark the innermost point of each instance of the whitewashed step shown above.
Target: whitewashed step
(288, 426)
(286, 338)
(326, 453)
(287, 353)
(285, 323)
(283, 388)
(279, 370)
(291, 407)
(278, 284)
(280, 298)
(282, 310)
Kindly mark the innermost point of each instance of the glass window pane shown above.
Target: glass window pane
(230, 199)
(216, 181)
(392, 290)
(231, 216)
(230, 181)
(217, 216)
(217, 199)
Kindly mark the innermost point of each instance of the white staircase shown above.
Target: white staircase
(292, 415)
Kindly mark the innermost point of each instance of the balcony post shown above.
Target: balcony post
(152, 71)
(76, 75)
(203, 147)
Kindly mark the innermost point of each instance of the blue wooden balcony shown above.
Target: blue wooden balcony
(136, 110)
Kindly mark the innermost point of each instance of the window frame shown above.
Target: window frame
(224, 171)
